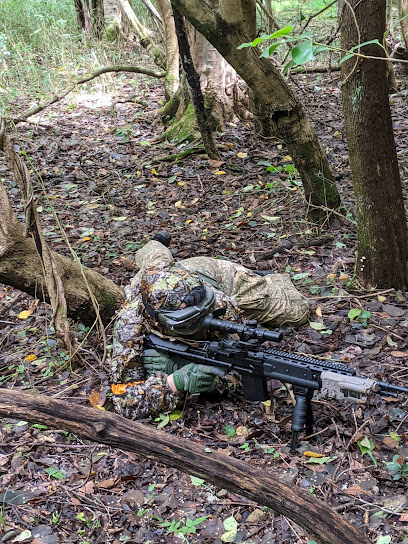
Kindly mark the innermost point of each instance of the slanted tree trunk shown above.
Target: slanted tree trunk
(381, 222)
(320, 521)
(193, 80)
(276, 108)
(172, 80)
(20, 267)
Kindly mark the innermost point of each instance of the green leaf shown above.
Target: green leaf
(300, 276)
(346, 57)
(320, 460)
(287, 66)
(270, 218)
(230, 524)
(353, 313)
(176, 414)
(366, 443)
(303, 52)
(22, 536)
(263, 163)
(55, 472)
(200, 520)
(384, 539)
(196, 481)
(319, 48)
(281, 32)
(164, 419)
(229, 430)
(172, 179)
(261, 39)
(243, 45)
(317, 326)
(269, 50)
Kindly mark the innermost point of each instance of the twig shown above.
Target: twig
(368, 295)
(105, 70)
(269, 15)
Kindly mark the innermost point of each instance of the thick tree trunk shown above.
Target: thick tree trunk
(403, 13)
(315, 517)
(98, 17)
(113, 19)
(83, 16)
(193, 80)
(277, 110)
(172, 79)
(218, 78)
(20, 267)
(381, 222)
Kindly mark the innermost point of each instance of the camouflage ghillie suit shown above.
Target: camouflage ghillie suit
(271, 300)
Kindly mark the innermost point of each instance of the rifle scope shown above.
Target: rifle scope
(245, 332)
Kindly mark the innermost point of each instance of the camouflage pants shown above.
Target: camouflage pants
(272, 300)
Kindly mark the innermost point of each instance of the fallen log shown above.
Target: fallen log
(317, 518)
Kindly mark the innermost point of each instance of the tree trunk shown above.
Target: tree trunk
(142, 33)
(193, 80)
(20, 267)
(249, 17)
(113, 19)
(172, 53)
(381, 222)
(277, 110)
(98, 17)
(403, 13)
(256, 484)
(83, 16)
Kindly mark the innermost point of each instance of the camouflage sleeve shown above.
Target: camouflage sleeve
(127, 342)
(146, 399)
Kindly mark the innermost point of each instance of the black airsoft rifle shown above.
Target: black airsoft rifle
(256, 364)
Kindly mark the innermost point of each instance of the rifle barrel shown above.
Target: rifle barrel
(388, 387)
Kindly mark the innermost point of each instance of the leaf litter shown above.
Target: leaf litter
(102, 181)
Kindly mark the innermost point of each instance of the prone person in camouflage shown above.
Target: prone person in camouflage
(146, 382)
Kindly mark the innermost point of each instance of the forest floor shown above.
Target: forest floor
(110, 192)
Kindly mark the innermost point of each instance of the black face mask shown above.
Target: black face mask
(195, 296)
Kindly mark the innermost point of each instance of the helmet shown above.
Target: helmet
(165, 288)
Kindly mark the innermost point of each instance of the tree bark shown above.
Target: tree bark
(20, 267)
(83, 16)
(380, 212)
(403, 13)
(113, 19)
(172, 79)
(238, 476)
(193, 80)
(98, 17)
(277, 110)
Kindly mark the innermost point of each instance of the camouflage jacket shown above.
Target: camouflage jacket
(271, 300)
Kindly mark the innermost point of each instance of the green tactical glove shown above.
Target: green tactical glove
(154, 361)
(196, 378)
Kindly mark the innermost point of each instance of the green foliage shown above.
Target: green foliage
(42, 51)
(359, 315)
(383, 539)
(189, 526)
(397, 467)
(163, 420)
(366, 447)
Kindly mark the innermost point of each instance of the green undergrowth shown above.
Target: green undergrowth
(42, 52)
